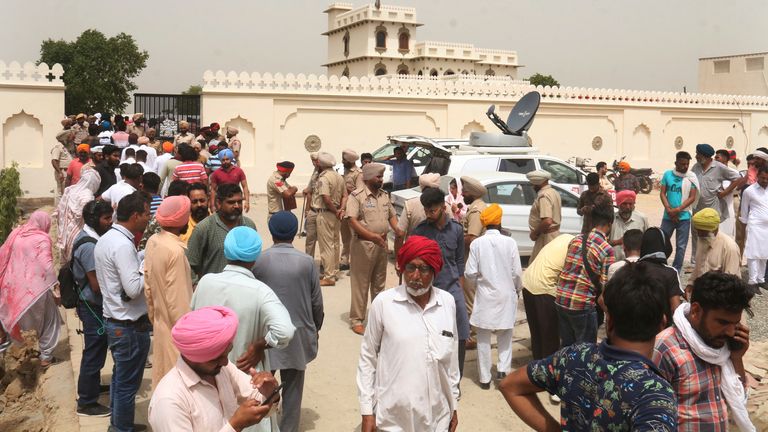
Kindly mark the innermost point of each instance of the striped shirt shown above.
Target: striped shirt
(574, 288)
(213, 163)
(701, 403)
(156, 200)
(190, 172)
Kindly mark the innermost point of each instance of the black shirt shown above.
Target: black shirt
(108, 177)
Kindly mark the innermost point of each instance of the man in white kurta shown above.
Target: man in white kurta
(408, 372)
(494, 265)
(754, 213)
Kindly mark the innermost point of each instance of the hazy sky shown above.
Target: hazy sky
(649, 44)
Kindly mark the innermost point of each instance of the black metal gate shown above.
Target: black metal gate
(164, 112)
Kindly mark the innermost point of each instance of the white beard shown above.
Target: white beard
(418, 292)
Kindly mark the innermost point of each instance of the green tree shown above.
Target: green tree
(97, 70)
(193, 90)
(10, 191)
(538, 79)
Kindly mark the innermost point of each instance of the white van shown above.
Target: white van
(456, 157)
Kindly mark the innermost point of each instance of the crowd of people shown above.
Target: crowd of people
(161, 253)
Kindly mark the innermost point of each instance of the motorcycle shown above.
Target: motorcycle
(643, 176)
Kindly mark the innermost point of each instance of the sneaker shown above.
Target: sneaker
(554, 398)
(754, 289)
(500, 376)
(485, 386)
(94, 410)
(344, 267)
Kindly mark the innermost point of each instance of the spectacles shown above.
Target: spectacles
(423, 269)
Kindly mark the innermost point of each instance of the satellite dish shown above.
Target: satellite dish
(312, 143)
(522, 114)
(495, 119)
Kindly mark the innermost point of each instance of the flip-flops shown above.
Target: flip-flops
(4, 345)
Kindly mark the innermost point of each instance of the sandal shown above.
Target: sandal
(46, 364)
(4, 345)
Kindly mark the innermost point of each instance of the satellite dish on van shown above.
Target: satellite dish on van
(521, 116)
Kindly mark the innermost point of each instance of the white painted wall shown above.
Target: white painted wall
(31, 109)
(281, 111)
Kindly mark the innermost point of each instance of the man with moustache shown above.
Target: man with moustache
(183, 137)
(278, 188)
(137, 127)
(106, 168)
(370, 214)
(198, 197)
(716, 251)
(408, 374)
(234, 141)
(754, 214)
(626, 218)
(229, 173)
(311, 199)
(333, 197)
(205, 248)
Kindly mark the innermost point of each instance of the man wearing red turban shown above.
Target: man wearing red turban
(627, 218)
(411, 342)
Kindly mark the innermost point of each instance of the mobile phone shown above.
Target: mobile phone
(734, 345)
(273, 396)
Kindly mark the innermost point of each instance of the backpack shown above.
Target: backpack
(70, 292)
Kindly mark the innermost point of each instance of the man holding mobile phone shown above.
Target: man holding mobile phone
(701, 355)
(202, 391)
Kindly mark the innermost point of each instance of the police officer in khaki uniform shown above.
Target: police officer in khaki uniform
(137, 126)
(310, 216)
(183, 137)
(332, 191)
(234, 141)
(473, 192)
(545, 217)
(370, 215)
(278, 188)
(353, 178)
(413, 211)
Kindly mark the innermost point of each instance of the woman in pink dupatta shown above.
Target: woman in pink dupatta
(27, 278)
(69, 213)
(455, 201)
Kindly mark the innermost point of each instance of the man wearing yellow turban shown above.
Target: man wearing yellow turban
(716, 251)
(494, 266)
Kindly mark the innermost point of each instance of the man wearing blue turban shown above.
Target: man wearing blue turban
(264, 322)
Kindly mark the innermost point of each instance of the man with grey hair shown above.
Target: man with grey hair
(544, 219)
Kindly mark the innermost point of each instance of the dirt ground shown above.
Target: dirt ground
(330, 394)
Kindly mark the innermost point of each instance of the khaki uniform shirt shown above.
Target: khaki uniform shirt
(547, 205)
(722, 254)
(188, 138)
(372, 210)
(81, 132)
(276, 185)
(472, 224)
(353, 178)
(140, 131)
(413, 214)
(60, 153)
(332, 184)
(314, 187)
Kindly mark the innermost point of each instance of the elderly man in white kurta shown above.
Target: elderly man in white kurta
(408, 372)
(754, 213)
(494, 264)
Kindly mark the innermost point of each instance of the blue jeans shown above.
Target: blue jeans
(576, 326)
(94, 353)
(682, 229)
(130, 348)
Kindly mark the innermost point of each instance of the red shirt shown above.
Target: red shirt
(235, 175)
(190, 172)
(74, 170)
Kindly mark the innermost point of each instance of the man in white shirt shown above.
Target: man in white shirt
(494, 266)
(408, 372)
(144, 144)
(130, 183)
(118, 271)
(754, 214)
(633, 239)
(205, 391)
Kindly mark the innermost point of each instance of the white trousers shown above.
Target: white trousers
(756, 270)
(504, 342)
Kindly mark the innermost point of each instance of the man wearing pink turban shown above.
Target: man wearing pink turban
(204, 391)
(626, 218)
(408, 372)
(167, 280)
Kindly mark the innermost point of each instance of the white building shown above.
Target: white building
(371, 40)
(742, 74)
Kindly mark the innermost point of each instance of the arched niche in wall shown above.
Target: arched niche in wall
(640, 144)
(23, 141)
(379, 69)
(247, 136)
